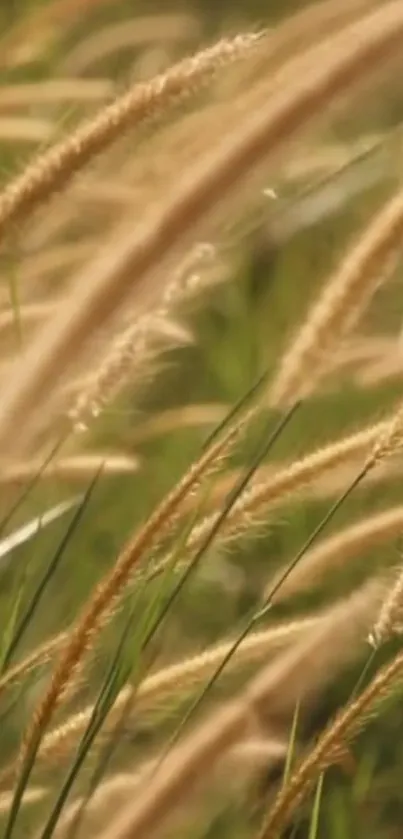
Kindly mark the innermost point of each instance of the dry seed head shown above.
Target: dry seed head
(50, 172)
(347, 725)
(256, 501)
(131, 356)
(31, 796)
(389, 620)
(175, 679)
(389, 441)
(117, 790)
(108, 282)
(132, 32)
(102, 602)
(377, 372)
(133, 351)
(41, 655)
(341, 303)
(192, 761)
(339, 549)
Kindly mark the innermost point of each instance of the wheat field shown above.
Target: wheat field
(201, 419)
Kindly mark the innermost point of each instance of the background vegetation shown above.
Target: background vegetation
(258, 274)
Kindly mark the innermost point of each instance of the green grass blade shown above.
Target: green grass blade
(9, 629)
(312, 538)
(31, 484)
(236, 409)
(261, 453)
(258, 615)
(28, 765)
(291, 744)
(114, 737)
(114, 681)
(51, 568)
(314, 824)
(232, 498)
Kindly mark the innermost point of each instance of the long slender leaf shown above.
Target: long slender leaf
(314, 824)
(291, 744)
(28, 765)
(27, 531)
(232, 498)
(33, 481)
(115, 678)
(52, 566)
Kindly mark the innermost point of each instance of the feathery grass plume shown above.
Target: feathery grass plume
(342, 301)
(108, 281)
(132, 355)
(216, 448)
(53, 92)
(258, 749)
(31, 796)
(27, 314)
(49, 173)
(389, 441)
(365, 348)
(389, 620)
(251, 754)
(356, 356)
(301, 30)
(60, 165)
(25, 129)
(129, 34)
(338, 549)
(330, 485)
(39, 268)
(315, 21)
(326, 483)
(172, 419)
(252, 507)
(39, 656)
(190, 762)
(347, 725)
(174, 681)
(378, 372)
(102, 601)
(101, 604)
(26, 38)
(73, 468)
(132, 350)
